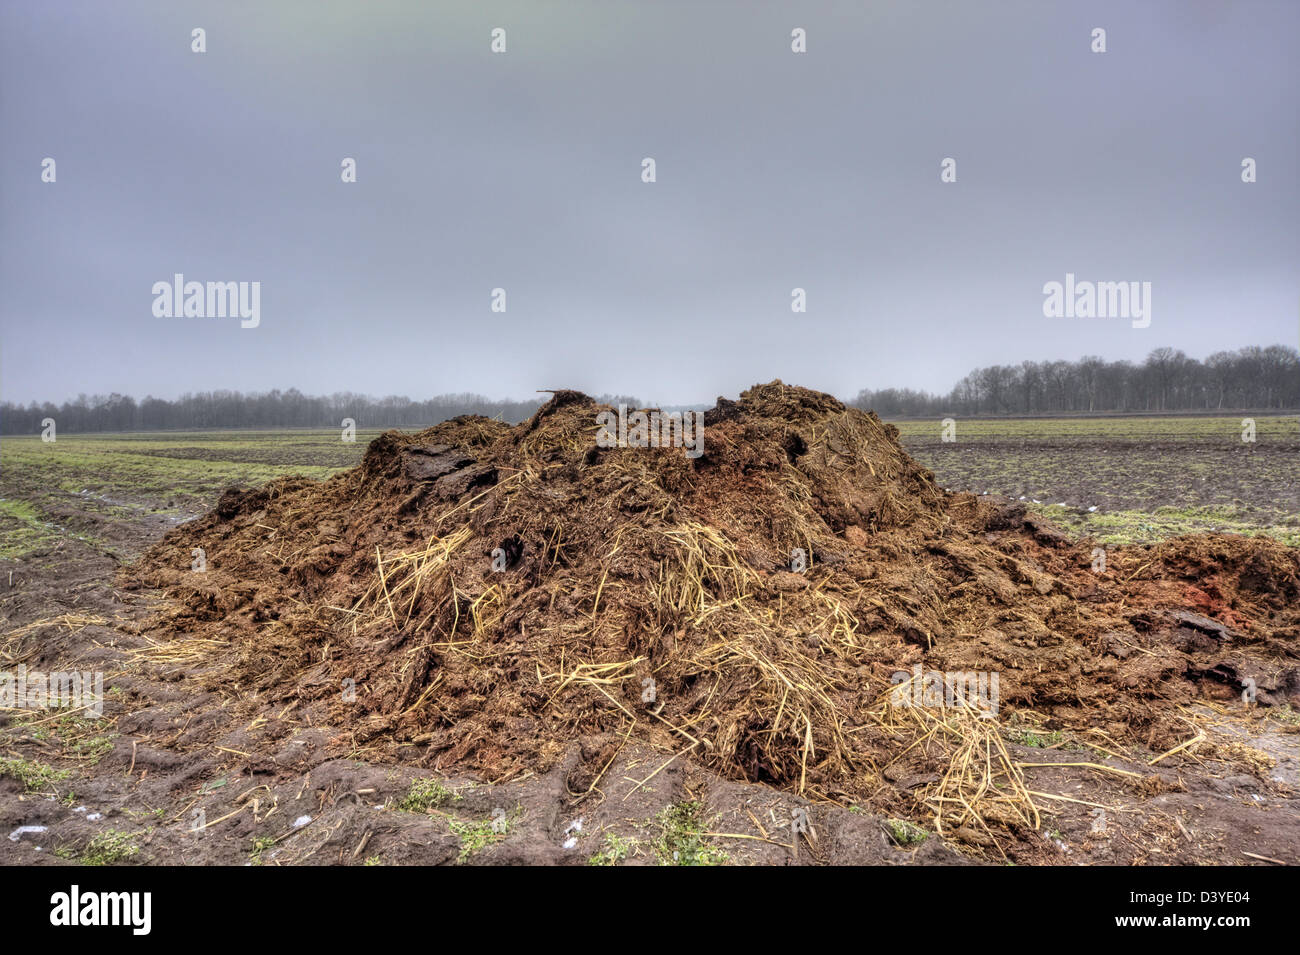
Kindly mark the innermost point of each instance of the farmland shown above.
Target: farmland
(108, 489)
(1148, 478)
(222, 681)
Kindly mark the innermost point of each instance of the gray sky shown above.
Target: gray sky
(522, 170)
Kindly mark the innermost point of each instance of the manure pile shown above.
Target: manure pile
(477, 596)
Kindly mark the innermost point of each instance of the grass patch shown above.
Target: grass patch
(616, 850)
(426, 795)
(33, 775)
(478, 834)
(81, 738)
(905, 833)
(1127, 527)
(109, 848)
(93, 748)
(1148, 478)
(178, 471)
(1206, 429)
(681, 840)
(21, 530)
(1285, 713)
(1036, 739)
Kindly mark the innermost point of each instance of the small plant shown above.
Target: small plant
(1036, 740)
(108, 848)
(144, 813)
(682, 841)
(31, 774)
(94, 748)
(1286, 713)
(373, 860)
(616, 850)
(260, 845)
(81, 737)
(480, 833)
(427, 794)
(905, 833)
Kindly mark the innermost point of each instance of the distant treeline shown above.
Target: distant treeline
(1251, 378)
(271, 410)
(1247, 379)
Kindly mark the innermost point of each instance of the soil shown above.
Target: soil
(1207, 484)
(491, 606)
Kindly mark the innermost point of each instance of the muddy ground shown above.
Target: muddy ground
(169, 776)
(1129, 480)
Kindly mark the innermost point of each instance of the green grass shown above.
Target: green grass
(85, 487)
(22, 529)
(132, 468)
(905, 833)
(681, 839)
(477, 834)
(1035, 739)
(427, 794)
(109, 848)
(1199, 428)
(1150, 478)
(1285, 713)
(1127, 480)
(33, 775)
(616, 850)
(1136, 527)
(93, 748)
(81, 738)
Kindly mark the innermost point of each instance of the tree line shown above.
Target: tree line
(1252, 378)
(272, 410)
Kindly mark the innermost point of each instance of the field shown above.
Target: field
(206, 754)
(107, 490)
(1148, 478)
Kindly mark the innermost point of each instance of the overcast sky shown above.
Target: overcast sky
(522, 170)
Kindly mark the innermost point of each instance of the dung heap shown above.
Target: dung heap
(488, 594)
